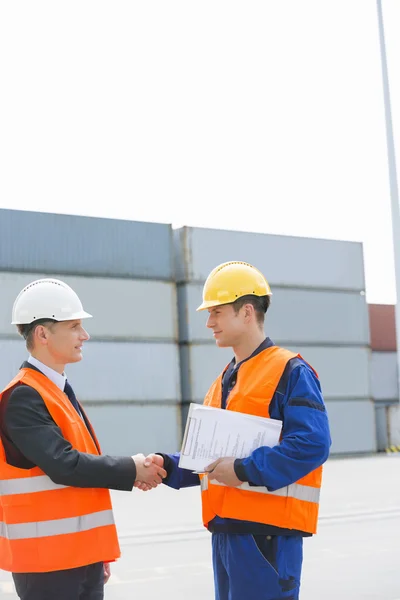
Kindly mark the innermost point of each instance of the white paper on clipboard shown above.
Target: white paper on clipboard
(212, 433)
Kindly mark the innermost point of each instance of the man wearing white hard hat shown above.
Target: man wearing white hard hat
(57, 532)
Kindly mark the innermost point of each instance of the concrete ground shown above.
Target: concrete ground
(166, 553)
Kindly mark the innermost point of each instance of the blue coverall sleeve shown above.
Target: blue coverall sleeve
(179, 478)
(305, 439)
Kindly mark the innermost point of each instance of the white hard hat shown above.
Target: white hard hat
(47, 299)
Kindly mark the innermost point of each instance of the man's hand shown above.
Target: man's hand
(107, 572)
(222, 470)
(149, 471)
(158, 460)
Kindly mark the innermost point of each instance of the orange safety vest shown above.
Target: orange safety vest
(292, 507)
(45, 526)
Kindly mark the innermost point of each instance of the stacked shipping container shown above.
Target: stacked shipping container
(384, 376)
(318, 309)
(128, 380)
(131, 381)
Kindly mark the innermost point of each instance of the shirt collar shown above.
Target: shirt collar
(267, 343)
(58, 379)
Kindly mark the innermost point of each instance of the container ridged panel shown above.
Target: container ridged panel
(384, 381)
(84, 245)
(121, 308)
(284, 260)
(129, 429)
(295, 316)
(112, 371)
(200, 365)
(343, 372)
(318, 309)
(381, 419)
(352, 426)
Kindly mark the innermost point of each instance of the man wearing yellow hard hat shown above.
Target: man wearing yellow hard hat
(269, 501)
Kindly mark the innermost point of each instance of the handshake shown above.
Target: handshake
(149, 471)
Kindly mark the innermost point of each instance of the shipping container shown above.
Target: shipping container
(343, 371)
(127, 429)
(284, 260)
(44, 242)
(382, 417)
(352, 426)
(384, 381)
(112, 371)
(122, 308)
(295, 316)
(382, 322)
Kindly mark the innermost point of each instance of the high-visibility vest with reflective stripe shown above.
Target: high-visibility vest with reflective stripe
(292, 507)
(45, 526)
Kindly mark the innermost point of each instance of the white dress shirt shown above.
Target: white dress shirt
(56, 378)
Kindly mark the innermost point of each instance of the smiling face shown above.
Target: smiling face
(228, 326)
(60, 342)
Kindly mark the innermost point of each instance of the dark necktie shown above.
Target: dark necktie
(72, 398)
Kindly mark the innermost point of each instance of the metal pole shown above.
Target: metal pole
(394, 190)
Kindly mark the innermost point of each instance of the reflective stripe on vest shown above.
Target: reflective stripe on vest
(21, 531)
(28, 485)
(295, 490)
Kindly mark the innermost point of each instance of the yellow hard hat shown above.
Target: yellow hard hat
(232, 280)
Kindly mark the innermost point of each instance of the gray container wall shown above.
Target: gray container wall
(346, 438)
(295, 316)
(122, 308)
(129, 429)
(284, 260)
(336, 368)
(384, 390)
(111, 371)
(84, 245)
(352, 425)
(129, 380)
(384, 382)
(343, 371)
(382, 425)
(131, 409)
(318, 309)
(129, 372)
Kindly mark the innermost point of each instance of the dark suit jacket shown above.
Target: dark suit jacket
(31, 438)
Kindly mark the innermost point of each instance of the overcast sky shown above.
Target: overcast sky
(261, 116)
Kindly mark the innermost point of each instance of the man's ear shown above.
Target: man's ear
(40, 335)
(248, 312)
